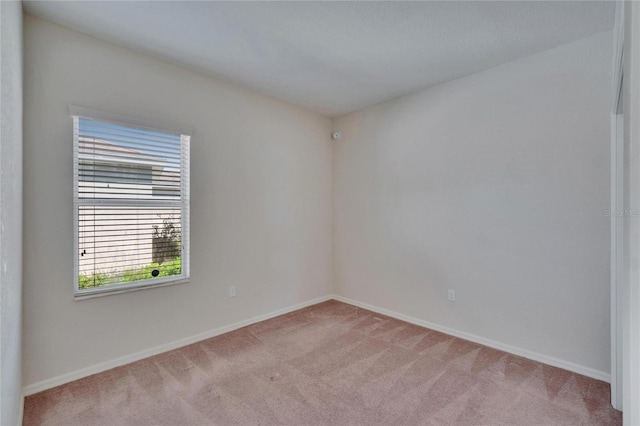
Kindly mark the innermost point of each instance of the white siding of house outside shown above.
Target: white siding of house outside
(102, 226)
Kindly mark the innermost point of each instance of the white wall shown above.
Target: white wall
(261, 206)
(11, 212)
(494, 185)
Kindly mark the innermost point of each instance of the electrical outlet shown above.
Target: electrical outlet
(232, 291)
(451, 295)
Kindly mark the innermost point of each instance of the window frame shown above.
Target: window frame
(76, 113)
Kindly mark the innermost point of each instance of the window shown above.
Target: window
(131, 204)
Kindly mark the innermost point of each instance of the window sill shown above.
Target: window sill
(102, 293)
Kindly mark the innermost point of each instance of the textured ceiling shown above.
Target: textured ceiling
(334, 57)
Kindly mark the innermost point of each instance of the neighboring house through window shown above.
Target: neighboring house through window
(131, 204)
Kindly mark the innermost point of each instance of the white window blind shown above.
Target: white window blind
(131, 187)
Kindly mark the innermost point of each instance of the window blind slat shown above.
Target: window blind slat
(88, 124)
(98, 145)
(100, 141)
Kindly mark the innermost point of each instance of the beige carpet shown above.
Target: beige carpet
(332, 364)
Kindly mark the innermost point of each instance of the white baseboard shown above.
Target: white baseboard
(545, 359)
(117, 362)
